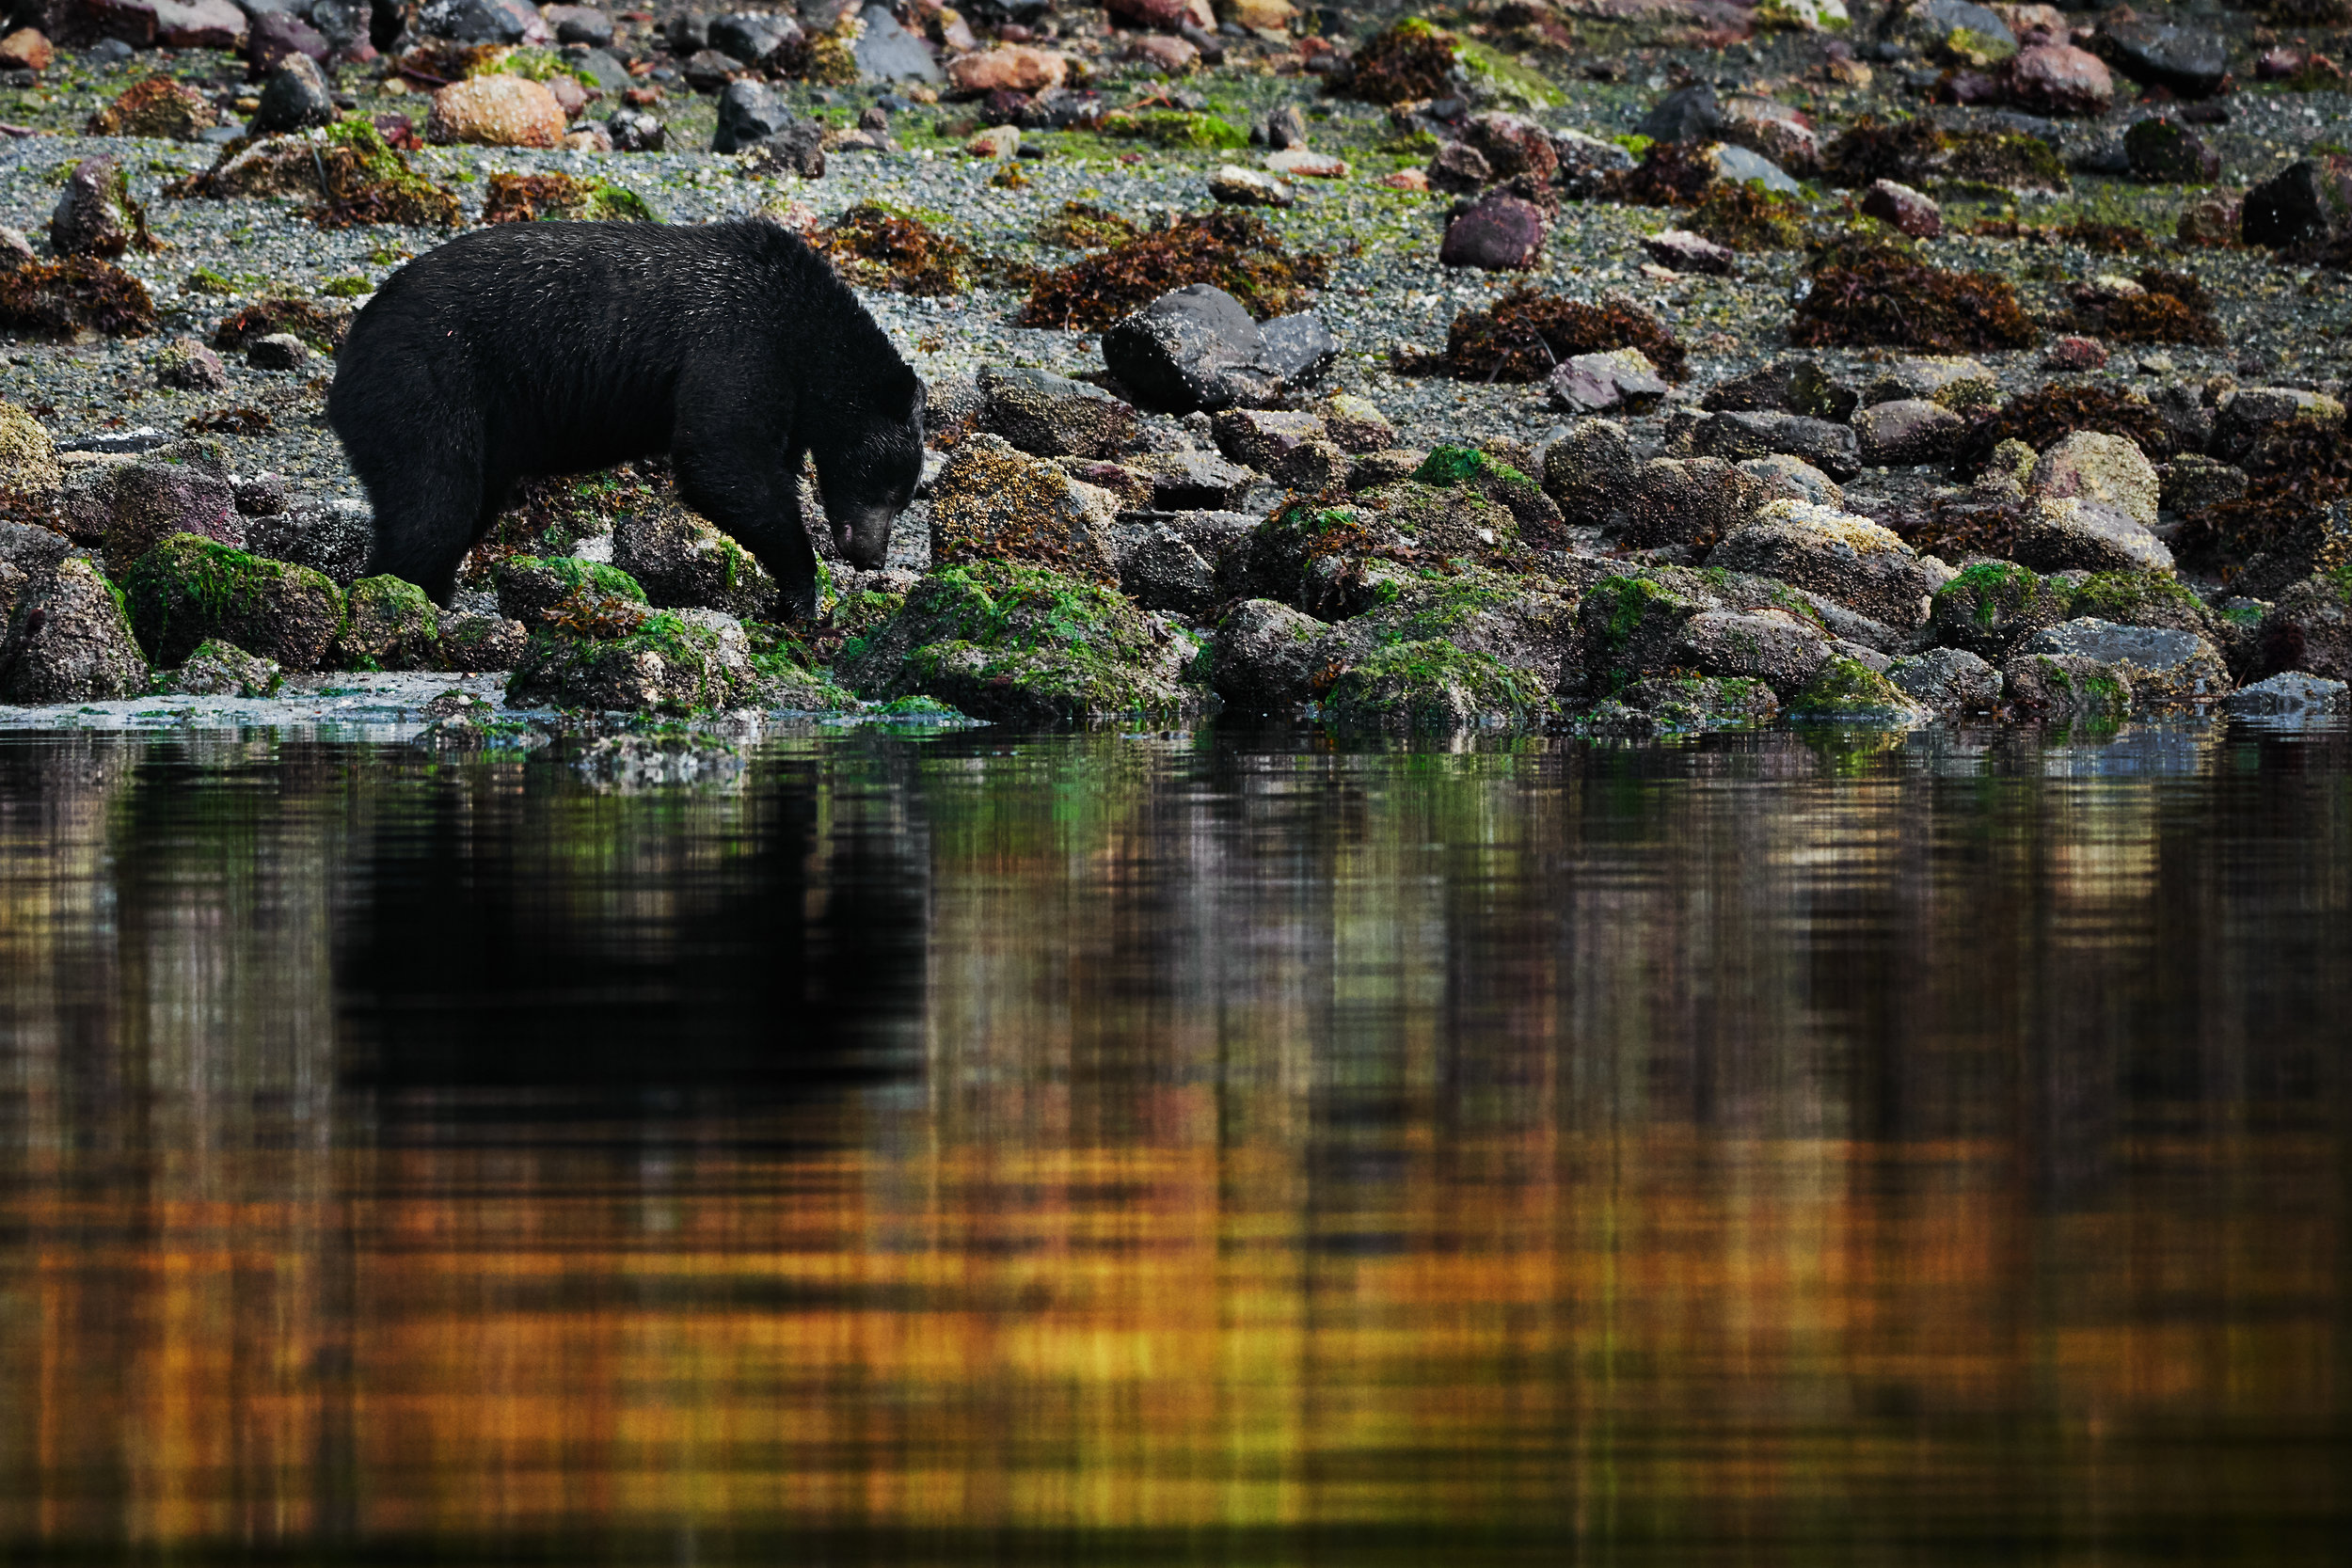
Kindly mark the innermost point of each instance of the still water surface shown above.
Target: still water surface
(1101, 1150)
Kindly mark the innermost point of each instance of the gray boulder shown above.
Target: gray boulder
(751, 111)
(2186, 61)
(2065, 687)
(1907, 433)
(296, 97)
(888, 53)
(1949, 680)
(68, 641)
(331, 537)
(1771, 646)
(1197, 348)
(2165, 667)
(1848, 558)
(1052, 416)
(1831, 447)
(483, 22)
(683, 562)
(1165, 572)
(1589, 471)
(2063, 534)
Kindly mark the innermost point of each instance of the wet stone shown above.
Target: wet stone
(2165, 667)
(1907, 433)
(1831, 447)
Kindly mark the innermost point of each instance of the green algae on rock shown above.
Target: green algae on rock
(669, 661)
(1434, 684)
(529, 587)
(1175, 128)
(388, 625)
(189, 590)
(1021, 644)
(1993, 606)
(1920, 154)
(218, 668)
(1848, 692)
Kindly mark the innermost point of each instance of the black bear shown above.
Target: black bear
(556, 348)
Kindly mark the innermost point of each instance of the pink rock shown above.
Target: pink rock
(1165, 15)
(1499, 233)
(1513, 144)
(1406, 180)
(1684, 251)
(495, 111)
(1302, 163)
(1171, 54)
(571, 94)
(1015, 67)
(1458, 167)
(2075, 354)
(172, 23)
(2060, 79)
(1906, 209)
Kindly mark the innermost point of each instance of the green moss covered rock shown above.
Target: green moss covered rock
(1847, 691)
(190, 590)
(1991, 607)
(219, 669)
(1435, 685)
(531, 586)
(670, 662)
(388, 625)
(1019, 644)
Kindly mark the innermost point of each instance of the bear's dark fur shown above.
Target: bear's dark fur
(556, 348)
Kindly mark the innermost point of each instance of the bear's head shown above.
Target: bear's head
(870, 465)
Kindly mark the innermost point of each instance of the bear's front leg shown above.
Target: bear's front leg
(749, 488)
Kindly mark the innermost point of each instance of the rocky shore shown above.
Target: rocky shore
(1627, 367)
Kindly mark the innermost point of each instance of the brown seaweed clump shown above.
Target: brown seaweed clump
(2051, 412)
(528, 197)
(2175, 309)
(1234, 251)
(1083, 225)
(2305, 475)
(1524, 334)
(1670, 174)
(876, 247)
(1865, 297)
(2105, 239)
(157, 106)
(357, 175)
(1746, 216)
(1401, 64)
(320, 326)
(73, 295)
(1920, 152)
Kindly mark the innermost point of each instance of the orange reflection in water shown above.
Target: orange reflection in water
(1255, 1191)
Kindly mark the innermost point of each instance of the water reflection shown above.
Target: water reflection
(1105, 1148)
